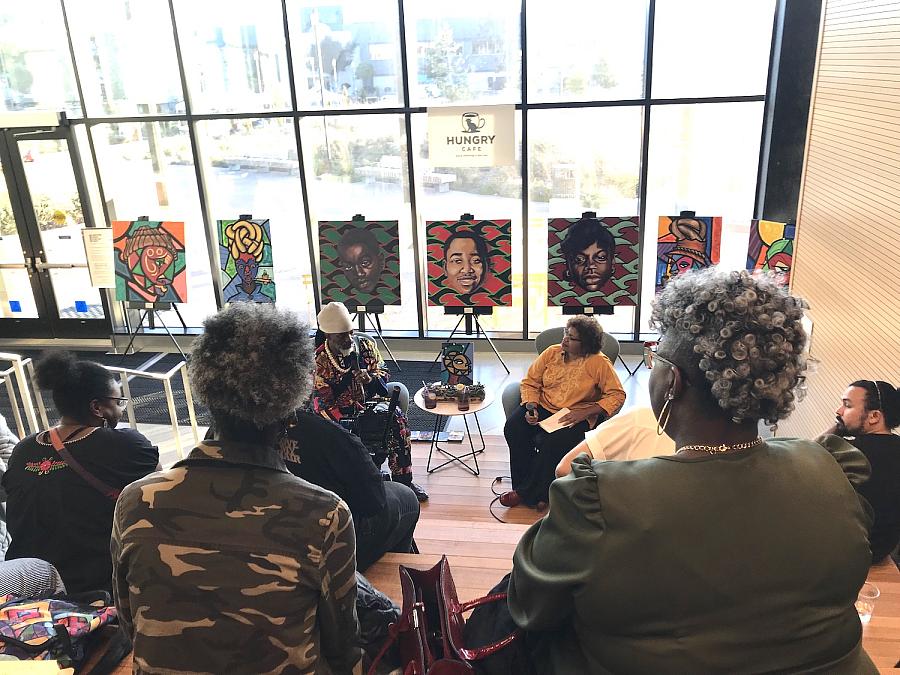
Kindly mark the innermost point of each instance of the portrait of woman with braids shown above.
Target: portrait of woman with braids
(733, 553)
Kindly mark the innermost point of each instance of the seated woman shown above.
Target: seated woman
(227, 562)
(574, 375)
(61, 485)
(733, 554)
(350, 370)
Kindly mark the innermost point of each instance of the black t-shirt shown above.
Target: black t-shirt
(324, 454)
(882, 490)
(55, 515)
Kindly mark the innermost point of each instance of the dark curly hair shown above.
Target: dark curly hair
(590, 332)
(740, 334)
(881, 395)
(74, 383)
(585, 232)
(252, 363)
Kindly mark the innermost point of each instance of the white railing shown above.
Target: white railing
(16, 373)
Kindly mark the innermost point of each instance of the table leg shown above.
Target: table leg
(473, 453)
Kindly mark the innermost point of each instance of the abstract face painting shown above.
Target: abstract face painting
(469, 263)
(150, 261)
(360, 261)
(593, 261)
(457, 362)
(686, 243)
(771, 248)
(245, 259)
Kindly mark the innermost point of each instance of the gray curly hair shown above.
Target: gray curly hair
(253, 362)
(740, 332)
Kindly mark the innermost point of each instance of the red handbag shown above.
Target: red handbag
(429, 632)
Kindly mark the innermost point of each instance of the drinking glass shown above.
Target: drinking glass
(865, 601)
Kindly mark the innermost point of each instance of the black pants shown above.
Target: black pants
(534, 454)
(391, 530)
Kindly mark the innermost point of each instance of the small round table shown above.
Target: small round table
(450, 409)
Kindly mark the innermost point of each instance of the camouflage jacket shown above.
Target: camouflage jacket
(228, 563)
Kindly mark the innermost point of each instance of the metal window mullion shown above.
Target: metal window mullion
(525, 168)
(421, 304)
(765, 139)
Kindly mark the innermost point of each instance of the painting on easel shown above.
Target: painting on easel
(245, 259)
(150, 261)
(686, 242)
(359, 261)
(771, 248)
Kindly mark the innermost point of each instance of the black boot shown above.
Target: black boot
(406, 479)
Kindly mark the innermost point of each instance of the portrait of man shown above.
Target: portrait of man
(359, 261)
(469, 263)
(685, 243)
(593, 261)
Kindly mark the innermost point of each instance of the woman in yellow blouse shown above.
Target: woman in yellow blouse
(575, 375)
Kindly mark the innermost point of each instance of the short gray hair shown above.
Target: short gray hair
(253, 362)
(742, 333)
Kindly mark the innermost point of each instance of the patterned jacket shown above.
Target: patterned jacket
(228, 563)
(336, 393)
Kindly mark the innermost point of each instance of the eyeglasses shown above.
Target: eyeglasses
(121, 401)
(568, 337)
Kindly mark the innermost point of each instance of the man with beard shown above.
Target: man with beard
(361, 260)
(349, 371)
(869, 410)
(590, 253)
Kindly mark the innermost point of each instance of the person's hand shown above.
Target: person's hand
(575, 416)
(362, 376)
(531, 416)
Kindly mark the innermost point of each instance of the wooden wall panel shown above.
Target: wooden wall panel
(847, 257)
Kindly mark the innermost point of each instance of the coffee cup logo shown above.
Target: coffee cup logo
(472, 122)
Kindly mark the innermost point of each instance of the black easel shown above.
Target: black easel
(361, 312)
(470, 315)
(150, 312)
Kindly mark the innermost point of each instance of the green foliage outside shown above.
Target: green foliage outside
(51, 213)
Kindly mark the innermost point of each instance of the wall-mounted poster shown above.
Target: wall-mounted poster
(457, 362)
(359, 261)
(593, 261)
(771, 247)
(469, 263)
(150, 261)
(686, 242)
(245, 260)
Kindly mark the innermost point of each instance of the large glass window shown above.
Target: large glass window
(35, 67)
(147, 169)
(579, 160)
(346, 54)
(234, 55)
(700, 162)
(251, 168)
(457, 56)
(125, 53)
(711, 47)
(600, 58)
(357, 165)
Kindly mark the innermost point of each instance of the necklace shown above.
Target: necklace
(334, 362)
(718, 449)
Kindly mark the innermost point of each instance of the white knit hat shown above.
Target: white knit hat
(334, 318)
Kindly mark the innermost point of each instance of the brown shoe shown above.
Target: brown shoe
(541, 507)
(510, 499)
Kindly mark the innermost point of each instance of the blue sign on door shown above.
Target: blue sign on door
(15, 306)
(81, 306)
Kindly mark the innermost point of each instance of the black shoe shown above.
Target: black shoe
(421, 495)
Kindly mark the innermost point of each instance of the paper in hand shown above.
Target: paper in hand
(553, 422)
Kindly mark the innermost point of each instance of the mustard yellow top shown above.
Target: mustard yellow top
(555, 384)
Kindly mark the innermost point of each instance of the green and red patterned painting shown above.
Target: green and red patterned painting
(469, 263)
(245, 260)
(150, 261)
(359, 261)
(593, 261)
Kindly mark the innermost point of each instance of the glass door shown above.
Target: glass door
(45, 288)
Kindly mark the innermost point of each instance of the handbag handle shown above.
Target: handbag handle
(479, 653)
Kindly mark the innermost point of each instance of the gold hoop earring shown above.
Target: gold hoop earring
(664, 416)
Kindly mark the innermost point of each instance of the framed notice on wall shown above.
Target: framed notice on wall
(472, 136)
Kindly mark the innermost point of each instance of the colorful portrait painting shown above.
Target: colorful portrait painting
(457, 362)
(150, 261)
(686, 242)
(771, 248)
(245, 260)
(359, 261)
(469, 263)
(593, 261)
